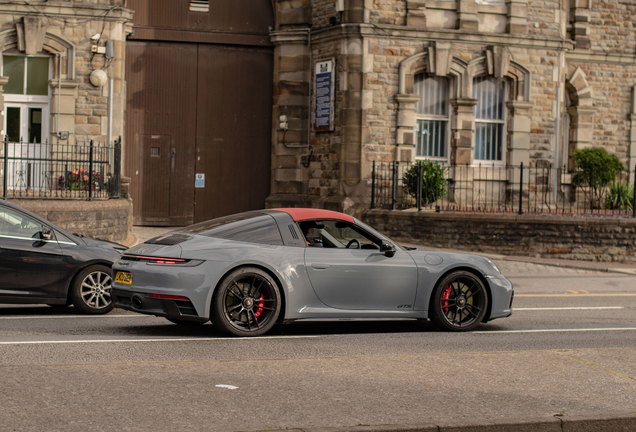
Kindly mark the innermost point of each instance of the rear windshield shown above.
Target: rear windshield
(251, 227)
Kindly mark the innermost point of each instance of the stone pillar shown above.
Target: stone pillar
(467, 15)
(631, 161)
(406, 122)
(519, 133)
(517, 21)
(354, 11)
(65, 120)
(462, 126)
(581, 130)
(580, 20)
(416, 13)
(291, 98)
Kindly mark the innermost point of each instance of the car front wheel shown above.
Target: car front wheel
(459, 302)
(246, 303)
(90, 291)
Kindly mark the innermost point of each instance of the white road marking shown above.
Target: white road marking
(74, 316)
(227, 386)
(559, 330)
(567, 308)
(210, 339)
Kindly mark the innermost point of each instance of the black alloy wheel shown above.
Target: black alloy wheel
(246, 303)
(459, 302)
(90, 290)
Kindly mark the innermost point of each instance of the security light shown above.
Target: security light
(96, 37)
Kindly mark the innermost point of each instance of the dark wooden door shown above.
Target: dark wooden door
(234, 117)
(160, 131)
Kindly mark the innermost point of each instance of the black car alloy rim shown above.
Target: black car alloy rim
(95, 290)
(463, 301)
(250, 302)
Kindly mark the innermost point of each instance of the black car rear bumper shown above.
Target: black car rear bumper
(142, 303)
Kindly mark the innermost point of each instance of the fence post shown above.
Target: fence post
(115, 186)
(634, 198)
(418, 194)
(521, 189)
(90, 171)
(373, 186)
(6, 167)
(395, 185)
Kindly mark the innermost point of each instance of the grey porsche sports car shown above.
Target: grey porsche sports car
(248, 271)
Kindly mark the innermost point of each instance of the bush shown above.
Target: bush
(433, 181)
(620, 196)
(595, 168)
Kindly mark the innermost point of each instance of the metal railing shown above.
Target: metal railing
(59, 170)
(491, 188)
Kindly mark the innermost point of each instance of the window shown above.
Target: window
(489, 118)
(27, 75)
(14, 224)
(432, 116)
(199, 6)
(336, 234)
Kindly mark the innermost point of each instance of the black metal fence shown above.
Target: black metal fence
(61, 170)
(491, 188)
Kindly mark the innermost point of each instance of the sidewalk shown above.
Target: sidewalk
(143, 233)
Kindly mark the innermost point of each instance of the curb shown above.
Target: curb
(602, 423)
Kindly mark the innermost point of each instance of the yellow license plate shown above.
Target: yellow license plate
(123, 277)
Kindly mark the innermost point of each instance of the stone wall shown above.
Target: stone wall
(107, 220)
(574, 238)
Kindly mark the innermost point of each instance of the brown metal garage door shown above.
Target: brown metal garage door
(197, 108)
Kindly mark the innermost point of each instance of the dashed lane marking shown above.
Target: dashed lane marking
(73, 316)
(567, 308)
(209, 339)
(577, 295)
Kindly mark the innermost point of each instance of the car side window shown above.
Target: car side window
(16, 224)
(336, 234)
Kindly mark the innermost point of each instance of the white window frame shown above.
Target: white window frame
(446, 118)
(504, 131)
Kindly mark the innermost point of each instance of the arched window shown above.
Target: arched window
(490, 118)
(432, 116)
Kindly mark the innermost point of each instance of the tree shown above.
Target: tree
(433, 181)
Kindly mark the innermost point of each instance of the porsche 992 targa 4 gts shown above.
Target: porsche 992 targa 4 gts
(248, 271)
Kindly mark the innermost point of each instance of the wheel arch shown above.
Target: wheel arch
(73, 277)
(475, 272)
(270, 272)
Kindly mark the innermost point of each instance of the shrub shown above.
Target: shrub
(595, 168)
(433, 181)
(620, 196)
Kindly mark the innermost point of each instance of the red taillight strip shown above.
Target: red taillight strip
(168, 297)
(157, 260)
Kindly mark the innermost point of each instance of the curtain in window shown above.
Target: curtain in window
(489, 118)
(432, 113)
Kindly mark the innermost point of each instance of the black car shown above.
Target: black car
(43, 263)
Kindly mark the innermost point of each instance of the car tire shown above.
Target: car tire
(247, 302)
(90, 290)
(187, 323)
(459, 302)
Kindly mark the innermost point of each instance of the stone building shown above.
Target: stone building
(49, 50)
(459, 81)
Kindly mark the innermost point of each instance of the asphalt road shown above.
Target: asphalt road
(568, 350)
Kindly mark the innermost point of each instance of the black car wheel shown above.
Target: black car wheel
(90, 291)
(459, 302)
(246, 303)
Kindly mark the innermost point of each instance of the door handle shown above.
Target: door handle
(319, 266)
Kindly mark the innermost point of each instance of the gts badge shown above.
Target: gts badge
(404, 307)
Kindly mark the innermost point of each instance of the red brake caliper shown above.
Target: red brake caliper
(259, 309)
(445, 296)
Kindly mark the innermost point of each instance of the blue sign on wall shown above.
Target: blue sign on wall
(323, 104)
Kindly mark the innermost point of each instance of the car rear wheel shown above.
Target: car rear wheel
(90, 290)
(246, 303)
(459, 302)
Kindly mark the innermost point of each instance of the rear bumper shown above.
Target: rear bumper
(142, 303)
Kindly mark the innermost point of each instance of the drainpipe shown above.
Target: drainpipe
(558, 107)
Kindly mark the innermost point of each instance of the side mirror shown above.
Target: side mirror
(387, 249)
(46, 234)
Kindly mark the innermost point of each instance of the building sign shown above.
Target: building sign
(324, 94)
(199, 180)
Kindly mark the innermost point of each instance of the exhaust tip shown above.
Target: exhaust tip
(137, 303)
